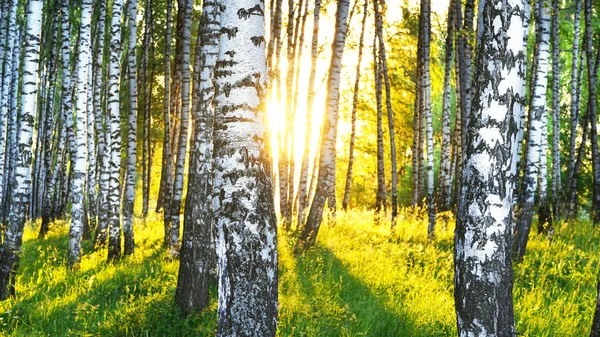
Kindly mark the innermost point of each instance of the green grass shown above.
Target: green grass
(360, 280)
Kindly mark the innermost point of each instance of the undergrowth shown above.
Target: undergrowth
(361, 279)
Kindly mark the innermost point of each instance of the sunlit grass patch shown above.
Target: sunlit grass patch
(361, 279)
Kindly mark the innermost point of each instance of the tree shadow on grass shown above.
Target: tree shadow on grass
(132, 297)
(339, 304)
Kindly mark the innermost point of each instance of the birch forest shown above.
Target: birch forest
(299, 168)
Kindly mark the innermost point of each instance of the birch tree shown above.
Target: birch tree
(388, 102)
(483, 237)
(537, 115)
(147, 113)
(426, 110)
(131, 129)
(167, 164)
(574, 116)
(79, 169)
(15, 221)
(177, 194)
(326, 177)
(381, 199)
(303, 185)
(7, 79)
(99, 119)
(556, 176)
(445, 183)
(354, 109)
(114, 117)
(197, 251)
(592, 111)
(244, 209)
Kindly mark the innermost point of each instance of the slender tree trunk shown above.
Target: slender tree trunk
(101, 133)
(247, 268)
(458, 128)
(445, 172)
(90, 182)
(416, 163)
(7, 79)
(592, 104)
(131, 160)
(354, 110)
(327, 160)
(167, 158)
(537, 116)
(381, 200)
(426, 92)
(114, 116)
(197, 251)
(483, 238)
(556, 176)
(286, 177)
(15, 223)
(303, 186)
(147, 113)
(522, 112)
(574, 91)
(177, 193)
(390, 112)
(544, 211)
(79, 169)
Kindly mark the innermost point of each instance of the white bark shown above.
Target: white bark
(244, 210)
(13, 235)
(131, 129)
(483, 269)
(114, 116)
(7, 80)
(536, 125)
(79, 169)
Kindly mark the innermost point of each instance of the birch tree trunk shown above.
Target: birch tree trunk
(574, 118)
(177, 194)
(522, 113)
(90, 181)
(354, 109)
(167, 157)
(465, 64)
(114, 117)
(544, 215)
(483, 237)
(7, 80)
(458, 127)
(592, 106)
(15, 222)
(197, 250)
(327, 160)
(101, 130)
(390, 112)
(381, 200)
(131, 160)
(79, 169)
(426, 92)
(147, 110)
(537, 115)
(244, 209)
(445, 183)
(556, 176)
(303, 186)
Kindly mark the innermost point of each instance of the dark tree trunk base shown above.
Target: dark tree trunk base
(9, 264)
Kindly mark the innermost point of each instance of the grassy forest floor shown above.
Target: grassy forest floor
(360, 280)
